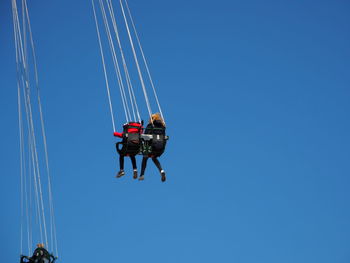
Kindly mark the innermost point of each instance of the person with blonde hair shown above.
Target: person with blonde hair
(154, 144)
(40, 255)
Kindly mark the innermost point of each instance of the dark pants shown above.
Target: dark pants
(144, 164)
(121, 161)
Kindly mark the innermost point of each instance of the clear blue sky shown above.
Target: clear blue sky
(256, 97)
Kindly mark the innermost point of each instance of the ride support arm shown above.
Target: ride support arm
(118, 134)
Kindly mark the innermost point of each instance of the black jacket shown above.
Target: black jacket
(156, 128)
(40, 254)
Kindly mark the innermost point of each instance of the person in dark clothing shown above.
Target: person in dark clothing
(131, 145)
(156, 146)
(40, 255)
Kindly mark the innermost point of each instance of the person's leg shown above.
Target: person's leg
(157, 163)
(121, 162)
(121, 165)
(143, 167)
(133, 161)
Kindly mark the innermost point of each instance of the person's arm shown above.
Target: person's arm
(24, 257)
(53, 258)
(118, 134)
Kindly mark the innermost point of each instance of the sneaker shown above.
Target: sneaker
(162, 173)
(142, 177)
(120, 173)
(135, 174)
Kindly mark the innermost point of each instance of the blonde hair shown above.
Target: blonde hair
(157, 117)
(41, 245)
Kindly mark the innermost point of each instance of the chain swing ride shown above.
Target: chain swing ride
(37, 223)
(37, 210)
(130, 78)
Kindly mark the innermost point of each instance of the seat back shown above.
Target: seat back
(154, 146)
(131, 142)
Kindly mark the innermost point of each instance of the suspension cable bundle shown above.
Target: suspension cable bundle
(123, 71)
(37, 210)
